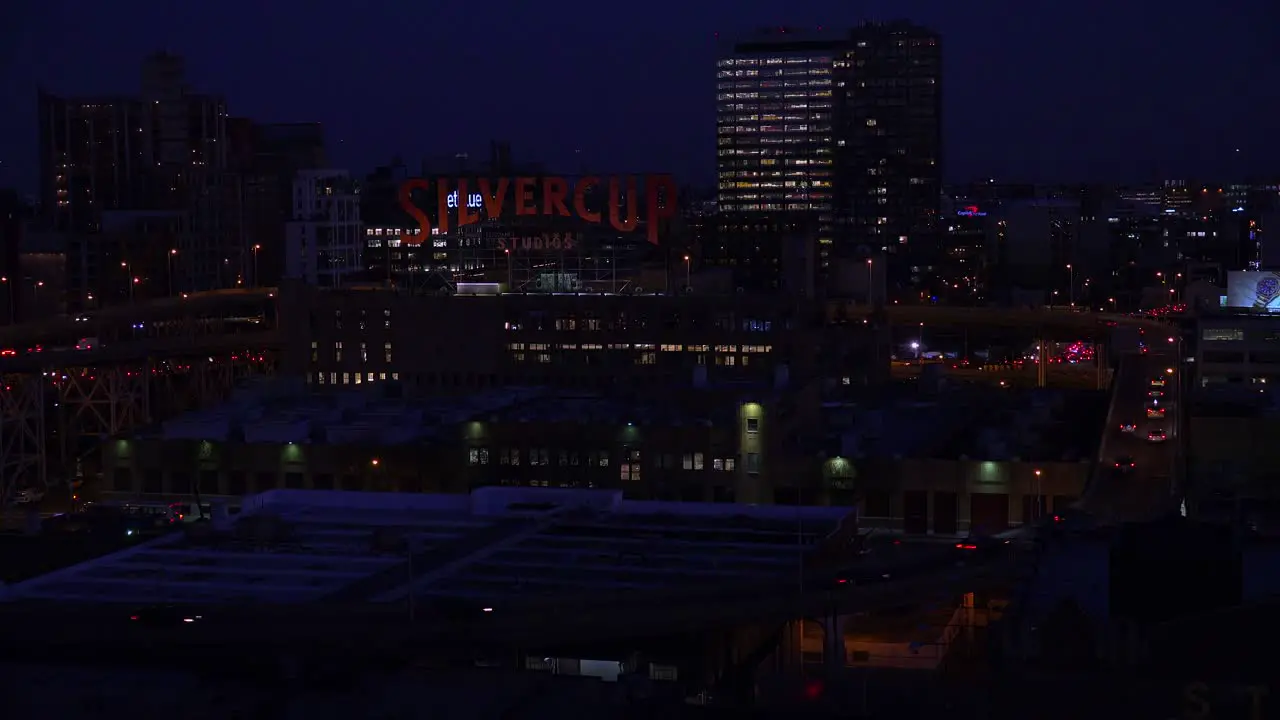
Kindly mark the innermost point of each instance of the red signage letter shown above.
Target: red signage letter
(524, 196)
(406, 204)
(442, 204)
(493, 201)
(632, 218)
(554, 191)
(580, 199)
(653, 185)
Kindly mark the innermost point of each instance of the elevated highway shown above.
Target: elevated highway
(174, 316)
(139, 362)
(148, 360)
(1071, 323)
(117, 322)
(1079, 376)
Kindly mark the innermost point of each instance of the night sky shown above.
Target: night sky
(1094, 90)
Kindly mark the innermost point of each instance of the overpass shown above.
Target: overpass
(140, 362)
(172, 315)
(1080, 376)
(150, 360)
(1052, 320)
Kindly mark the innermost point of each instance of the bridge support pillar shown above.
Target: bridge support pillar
(833, 651)
(22, 434)
(101, 402)
(1104, 365)
(1042, 361)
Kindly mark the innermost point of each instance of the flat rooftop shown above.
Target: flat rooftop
(980, 423)
(289, 413)
(284, 412)
(495, 545)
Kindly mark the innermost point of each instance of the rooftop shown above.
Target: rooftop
(278, 413)
(978, 423)
(497, 544)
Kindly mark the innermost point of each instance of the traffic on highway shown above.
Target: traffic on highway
(1138, 453)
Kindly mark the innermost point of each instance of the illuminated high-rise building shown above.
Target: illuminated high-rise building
(839, 135)
(774, 105)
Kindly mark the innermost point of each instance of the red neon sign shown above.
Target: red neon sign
(557, 194)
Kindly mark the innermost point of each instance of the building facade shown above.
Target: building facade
(846, 130)
(164, 148)
(456, 344)
(325, 239)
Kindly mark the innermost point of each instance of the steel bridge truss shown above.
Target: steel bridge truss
(86, 405)
(22, 435)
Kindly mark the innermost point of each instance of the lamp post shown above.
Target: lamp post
(688, 282)
(1036, 509)
(129, 278)
(1071, 285)
(172, 252)
(5, 281)
(256, 248)
(869, 281)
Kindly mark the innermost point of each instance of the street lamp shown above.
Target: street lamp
(128, 271)
(869, 263)
(172, 252)
(256, 248)
(920, 344)
(1071, 284)
(5, 280)
(1037, 508)
(688, 282)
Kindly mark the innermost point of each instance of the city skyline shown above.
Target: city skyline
(368, 116)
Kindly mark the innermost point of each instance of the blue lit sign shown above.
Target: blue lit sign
(971, 211)
(476, 200)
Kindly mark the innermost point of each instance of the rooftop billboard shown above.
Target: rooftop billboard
(1254, 290)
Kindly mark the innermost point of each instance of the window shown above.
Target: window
(753, 425)
(725, 464)
(478, 456)
(630, 469)
(386, 349)
(1223, 334)
(688, 461)
(753, 463)
(697, 461)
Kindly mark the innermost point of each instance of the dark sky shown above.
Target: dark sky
(1044, 91)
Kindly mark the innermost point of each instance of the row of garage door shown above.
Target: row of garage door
(989, 513)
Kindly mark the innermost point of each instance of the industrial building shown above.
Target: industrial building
(455, 344)
(734, 444)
